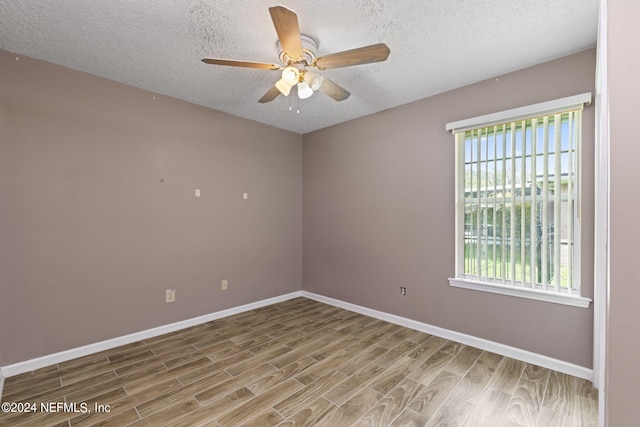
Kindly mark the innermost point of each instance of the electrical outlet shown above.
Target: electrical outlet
(170, 295)
(224, 285)
(403, 291)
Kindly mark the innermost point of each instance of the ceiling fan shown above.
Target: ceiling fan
(298, 54)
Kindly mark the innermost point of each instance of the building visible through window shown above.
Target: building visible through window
(518, 189)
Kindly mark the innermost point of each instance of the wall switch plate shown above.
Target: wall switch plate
(245, 196)
(224, 285)
(403, 291)
(170, 295)
(197, 192)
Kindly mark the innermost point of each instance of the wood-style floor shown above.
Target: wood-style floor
(301, 363)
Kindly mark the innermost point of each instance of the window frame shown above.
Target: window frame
(576, 102)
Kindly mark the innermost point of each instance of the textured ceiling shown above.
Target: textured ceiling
(436, 45)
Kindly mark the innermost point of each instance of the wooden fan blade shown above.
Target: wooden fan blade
(332, 89)
(246, 64)
(270, 95)
(363, 55)
(286, 23)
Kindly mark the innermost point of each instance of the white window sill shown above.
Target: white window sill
(557, 298)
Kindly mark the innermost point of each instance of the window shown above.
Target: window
(518, 206)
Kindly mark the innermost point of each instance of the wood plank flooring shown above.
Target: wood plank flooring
(301, 363)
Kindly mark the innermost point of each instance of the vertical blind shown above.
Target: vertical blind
(518, 188)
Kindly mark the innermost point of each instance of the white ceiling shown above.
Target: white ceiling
(436, 45)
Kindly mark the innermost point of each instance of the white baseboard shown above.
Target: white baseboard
(41, 362)
(505, 350)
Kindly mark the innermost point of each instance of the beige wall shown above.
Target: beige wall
(623, 349)
(90, 237)
(378, 213)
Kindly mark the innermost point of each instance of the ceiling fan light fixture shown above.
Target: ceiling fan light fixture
(304, 91)
(314, 80)
(290, 75)
(283, 87)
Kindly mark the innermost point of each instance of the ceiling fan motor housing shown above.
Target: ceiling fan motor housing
(309, 52)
